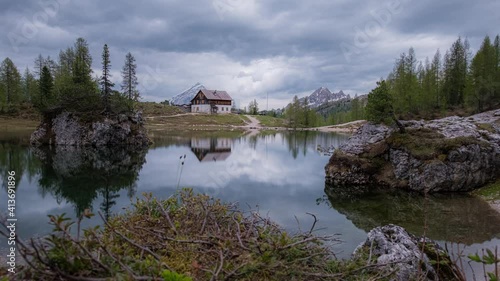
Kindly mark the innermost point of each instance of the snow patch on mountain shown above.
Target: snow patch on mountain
(186, 96)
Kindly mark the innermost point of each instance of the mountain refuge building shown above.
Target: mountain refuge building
(211, 101)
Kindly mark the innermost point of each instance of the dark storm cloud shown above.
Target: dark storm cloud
(282, 47)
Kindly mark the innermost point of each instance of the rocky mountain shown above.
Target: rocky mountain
(321, 96)
(186, 96)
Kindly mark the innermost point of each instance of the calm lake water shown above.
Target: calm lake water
(281, 174)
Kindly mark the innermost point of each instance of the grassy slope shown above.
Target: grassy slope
(196, 122)
(269, 121)
(156, 109)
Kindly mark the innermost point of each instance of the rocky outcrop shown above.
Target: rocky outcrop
(68, 129)
(445, 155)
(393, 249)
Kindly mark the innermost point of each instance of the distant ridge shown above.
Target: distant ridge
(321, 96)
(186, 96)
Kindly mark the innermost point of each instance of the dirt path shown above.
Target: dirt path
(253, 127)
(254, 123)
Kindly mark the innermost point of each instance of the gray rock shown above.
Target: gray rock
(462, 169)
(394, 249)
(364, 136)
(67, 129)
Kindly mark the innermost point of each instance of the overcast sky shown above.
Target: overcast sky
(249, 48)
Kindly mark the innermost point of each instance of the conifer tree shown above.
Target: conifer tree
(129, 83)
(82, 65)
(105, 80)
(10, 81)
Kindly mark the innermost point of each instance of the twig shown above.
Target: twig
(238, 235)
(219, 268)
(132, 242)
(314, 223)
(167, 216)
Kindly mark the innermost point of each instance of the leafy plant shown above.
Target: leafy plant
(488, 258)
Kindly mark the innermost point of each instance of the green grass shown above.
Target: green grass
(490, 192)
(427, 144)
(269, 121)
(486, 127)
(156, 109)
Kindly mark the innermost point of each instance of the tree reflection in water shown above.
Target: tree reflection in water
(80, 175)
(459, 218)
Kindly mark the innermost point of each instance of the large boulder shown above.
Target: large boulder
(392, 249)
(446, 155)
(68, 129)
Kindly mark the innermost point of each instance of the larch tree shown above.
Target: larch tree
(39, 63)
(10, 81)
(482, 74)
(436, 79)
(63, 79)
(496, 50)
(105, 80)
(82, 65)
(29, 85)
(129, 83)
(46, 87)
(455, 72)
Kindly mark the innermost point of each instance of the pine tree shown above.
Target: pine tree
(129, 83)
(106, 84)
(380, 107)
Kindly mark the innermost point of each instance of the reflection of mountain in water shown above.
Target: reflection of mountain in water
(79, 175)
(449, 217)
(211, 149)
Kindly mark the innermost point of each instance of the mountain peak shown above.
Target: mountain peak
(322, 95)
(186, 96)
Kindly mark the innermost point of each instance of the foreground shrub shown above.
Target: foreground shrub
(186, 237)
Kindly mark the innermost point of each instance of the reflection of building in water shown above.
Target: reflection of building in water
(211, 149)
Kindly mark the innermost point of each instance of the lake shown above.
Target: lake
(279, 173)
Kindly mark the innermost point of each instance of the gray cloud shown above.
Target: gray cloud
(249, 48)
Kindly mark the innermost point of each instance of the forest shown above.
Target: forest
(457, 83)
(67, 84)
